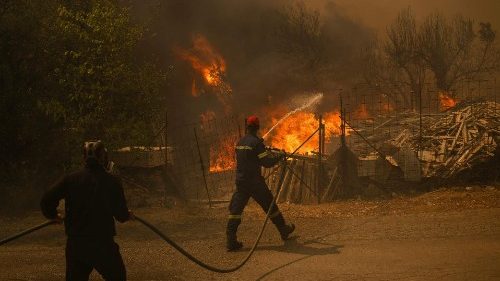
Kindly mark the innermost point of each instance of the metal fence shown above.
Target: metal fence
(386, 136)
(384, 127)
(203, 159)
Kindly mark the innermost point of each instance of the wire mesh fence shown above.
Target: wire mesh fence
(203, 159)
(391, 139)
(422, 134)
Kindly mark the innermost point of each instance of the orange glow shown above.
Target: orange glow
(205, 60)
(222, 155)
(211, 66)
(446, 100)
(205, 119)
(298, 127)
(194, 89)
(361, 112)
(387, 107)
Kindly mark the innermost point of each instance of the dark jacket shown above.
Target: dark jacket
(251, 155)
(93, 199)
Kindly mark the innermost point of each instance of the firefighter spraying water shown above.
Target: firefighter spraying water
(251, 155)
(314, 100)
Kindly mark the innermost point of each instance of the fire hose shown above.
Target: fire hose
(25, 232)
(210, 267)
(175, 245)
(179, 248)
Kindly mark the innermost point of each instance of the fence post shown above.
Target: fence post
(320, 155)
(202, 166)
(166, 140)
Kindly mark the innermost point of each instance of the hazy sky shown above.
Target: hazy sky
(378, 13)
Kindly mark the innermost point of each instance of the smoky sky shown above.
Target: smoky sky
(259, 72)
(378, 14)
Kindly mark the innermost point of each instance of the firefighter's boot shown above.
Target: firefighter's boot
(232, 243)
(284, 229)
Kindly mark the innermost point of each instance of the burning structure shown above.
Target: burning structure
(378, 141)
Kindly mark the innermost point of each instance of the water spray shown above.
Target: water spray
(311, 101)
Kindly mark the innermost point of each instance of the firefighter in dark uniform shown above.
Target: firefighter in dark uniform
(251, 155)
(94, 199)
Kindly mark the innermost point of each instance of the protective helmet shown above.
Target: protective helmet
(253, 121)
(94, 151)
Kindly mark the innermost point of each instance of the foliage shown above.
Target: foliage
(69, 73)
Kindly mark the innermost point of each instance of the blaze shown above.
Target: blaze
(205, 60)
(294, 130)
(222, 155)
(446, 100)
(205, 118)
(211, 67)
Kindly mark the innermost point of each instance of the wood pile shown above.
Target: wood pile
(299, 183)
(452, 141)
(460, 140)
(391, 133)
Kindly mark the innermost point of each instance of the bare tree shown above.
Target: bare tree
(299, 32)
(450, 51)
(453, 53)
(445, 47)
(396, 66)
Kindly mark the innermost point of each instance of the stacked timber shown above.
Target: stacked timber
(460, 140)
(389, 133)
(299, 183)
(452, 141)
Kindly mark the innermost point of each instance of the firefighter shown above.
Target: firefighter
(94, 199)
(251, 154)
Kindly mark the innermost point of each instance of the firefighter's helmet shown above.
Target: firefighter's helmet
(253, 122)
(95, 151)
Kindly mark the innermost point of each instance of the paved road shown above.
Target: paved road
(451, 245)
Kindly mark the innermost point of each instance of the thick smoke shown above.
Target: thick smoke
(269, 58)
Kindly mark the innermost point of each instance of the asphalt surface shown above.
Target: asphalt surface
(400, 239)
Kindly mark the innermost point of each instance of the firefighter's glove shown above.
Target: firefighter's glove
(59, 219)
(131, 215)
(283, 155)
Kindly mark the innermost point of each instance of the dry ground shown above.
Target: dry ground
(448, 234)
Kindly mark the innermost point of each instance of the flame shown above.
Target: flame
(211, 66)
(205, 119)
(446, 100)
(222, 155)
(221, 152)
(205, 60)
(294, 130)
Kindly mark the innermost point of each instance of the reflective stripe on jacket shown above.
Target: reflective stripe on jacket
(251, 155)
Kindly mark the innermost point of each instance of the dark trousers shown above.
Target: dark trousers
(85, 254)
(262, 195)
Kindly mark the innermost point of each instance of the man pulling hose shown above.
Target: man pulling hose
(93, 200)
